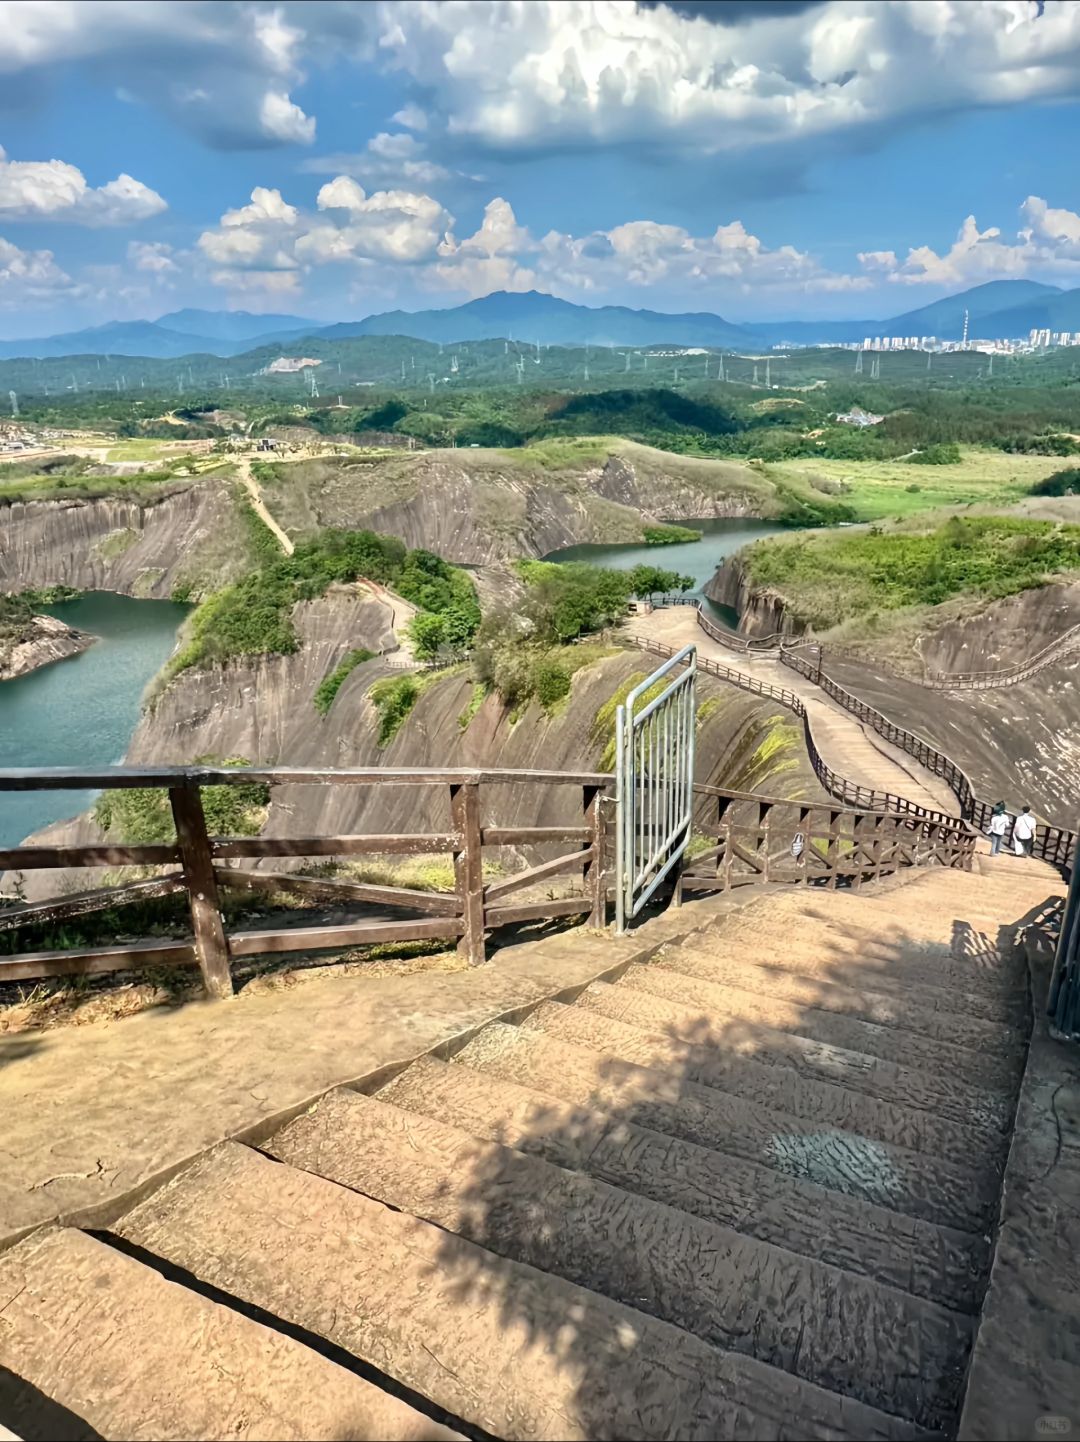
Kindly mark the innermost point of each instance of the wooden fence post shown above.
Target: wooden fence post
(832, 853)
(594, 883)
(468, 869)
(211, 943)
(764, 815)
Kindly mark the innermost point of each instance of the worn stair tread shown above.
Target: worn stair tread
(129, 1354)
(780, 1088)
(719, 1002)
(512, 1350)
(889, 1081)
(789, 1311)
(863, 1002)
(854, 954)
(938, 1263)
(949, 1193)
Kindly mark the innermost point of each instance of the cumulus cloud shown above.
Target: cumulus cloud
(224, 71)
(638, 254)
(559, 72)
(54, 190)
(30, 275)
(153, 256)
(389, 158)
(270, 236)
(508, 76)
(1046, 244)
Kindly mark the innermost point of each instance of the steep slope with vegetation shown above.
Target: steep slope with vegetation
(870, 577)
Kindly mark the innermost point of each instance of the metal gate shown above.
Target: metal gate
(654, 775)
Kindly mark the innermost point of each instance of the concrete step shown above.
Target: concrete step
(734, 1005)
(910, 1013)
(949, 1193)
(513, 1350)
(852, 954)
(91, 1332)
(938, 1263)
(780, 1088)
(905, 1086)
(788, 1311)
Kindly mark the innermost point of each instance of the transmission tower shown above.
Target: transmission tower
(314, 385)
(676, 381)
(586, 365)
(990, 368)
(929, 358)
(768, 383)
(858, 364)
(720, 368)
(453, 365)
(755, 374)
(14, 399)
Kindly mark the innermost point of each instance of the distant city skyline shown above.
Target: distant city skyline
(835, 159)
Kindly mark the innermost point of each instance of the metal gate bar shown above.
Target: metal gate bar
(654, 772)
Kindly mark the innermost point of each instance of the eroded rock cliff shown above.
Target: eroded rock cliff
(188, 536)
(47, 640)
(761, 610)
(475, 507)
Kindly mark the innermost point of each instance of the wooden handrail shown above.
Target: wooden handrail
(464, 915)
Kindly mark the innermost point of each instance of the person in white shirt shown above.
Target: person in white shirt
(999, 825)
(1024, 832)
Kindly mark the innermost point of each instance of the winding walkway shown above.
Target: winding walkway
(251, 485)
(852, 749)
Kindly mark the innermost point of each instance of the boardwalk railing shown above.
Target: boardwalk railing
(849, 792)
(758, 838)
(200, 865)
(1067, 644)
(1055, 844)
(748, 838)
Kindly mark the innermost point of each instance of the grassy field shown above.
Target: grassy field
(139, 450)
(886, 489)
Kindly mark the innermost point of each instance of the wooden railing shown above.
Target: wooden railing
(756, 839)
(200, 865)
(761, 839)
(849, 792)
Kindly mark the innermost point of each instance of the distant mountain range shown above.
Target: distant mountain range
(997, 310)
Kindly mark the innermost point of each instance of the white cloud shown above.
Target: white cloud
(487, 260)
(54, 190)
(512, 75)
(30, 275)
(283, 120)
(222, 70)
(270, 236)
(388, 158)
(1047, 244)
(153, 256)
(602, 72)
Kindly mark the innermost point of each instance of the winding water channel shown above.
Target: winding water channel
(81, 712)
(719, 538)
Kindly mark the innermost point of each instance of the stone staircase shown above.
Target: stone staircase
(746, 1190)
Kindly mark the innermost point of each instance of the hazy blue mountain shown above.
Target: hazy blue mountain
(143, 338)
(233, 324)
(1001, 308)
(130, 337)
(984, 304)
(530, 316)
(990, 308)
(1049, 311)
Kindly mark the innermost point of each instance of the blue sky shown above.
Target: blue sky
(841, 158)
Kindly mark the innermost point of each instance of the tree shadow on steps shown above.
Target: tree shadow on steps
(700, 1205)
